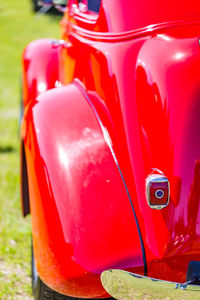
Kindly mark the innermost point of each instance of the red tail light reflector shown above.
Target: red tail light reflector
(157, 189)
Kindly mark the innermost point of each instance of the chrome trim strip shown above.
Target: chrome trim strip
(128, 286)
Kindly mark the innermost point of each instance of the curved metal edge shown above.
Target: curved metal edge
(108, 141)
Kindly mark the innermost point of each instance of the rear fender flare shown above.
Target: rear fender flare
(40, 68)
(82, 219)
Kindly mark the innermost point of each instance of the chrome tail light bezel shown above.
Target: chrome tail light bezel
(156, 179)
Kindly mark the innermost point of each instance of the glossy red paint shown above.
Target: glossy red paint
(133, 106)
(75, 188)
(40, 70)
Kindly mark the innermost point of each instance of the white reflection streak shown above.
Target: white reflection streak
(88, 144)
(150, 27)
(64, 159)
(142, 63)
(42, 87)
(164, 37)
(179, 55)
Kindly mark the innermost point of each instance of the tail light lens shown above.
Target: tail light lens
(157, 189)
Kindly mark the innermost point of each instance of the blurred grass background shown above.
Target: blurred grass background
(18, 26)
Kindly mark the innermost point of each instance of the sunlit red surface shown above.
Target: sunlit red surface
(124, 100)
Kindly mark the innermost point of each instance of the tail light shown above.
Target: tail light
(157, 189)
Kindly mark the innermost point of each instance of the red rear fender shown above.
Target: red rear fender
(40, 68)
(82, 218)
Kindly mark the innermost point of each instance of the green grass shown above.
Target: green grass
(18, 26)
